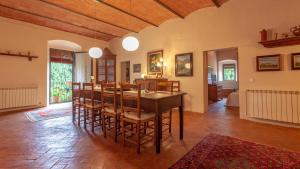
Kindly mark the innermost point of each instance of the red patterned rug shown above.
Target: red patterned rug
(223, 152)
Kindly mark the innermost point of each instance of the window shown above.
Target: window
(229, 72)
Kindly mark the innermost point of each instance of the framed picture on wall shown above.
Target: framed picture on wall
(153, 60)
(137, 68)
(184, 64)
(268, 63)
(295, 61)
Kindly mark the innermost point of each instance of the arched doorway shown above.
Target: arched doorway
(61, 70)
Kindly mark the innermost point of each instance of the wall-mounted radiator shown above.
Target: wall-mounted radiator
(275, 105)
(11, 98)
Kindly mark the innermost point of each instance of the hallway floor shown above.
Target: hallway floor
(57, 143)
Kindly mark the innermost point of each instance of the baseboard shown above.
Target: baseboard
(12, 110)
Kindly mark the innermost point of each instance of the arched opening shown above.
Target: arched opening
(66, 63)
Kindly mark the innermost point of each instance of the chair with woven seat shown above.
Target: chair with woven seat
(77, 102)
(110, 112)
(169, 86)
(92, 107)
(134, 121)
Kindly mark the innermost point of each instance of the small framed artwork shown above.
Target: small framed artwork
(184, 64)
(295, 61)
(268, 63)
(154, 58)
(137, 68)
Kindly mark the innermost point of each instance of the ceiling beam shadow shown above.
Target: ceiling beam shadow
(130, 14)
(169, 9)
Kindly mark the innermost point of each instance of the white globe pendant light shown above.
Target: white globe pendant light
(95, 52)
(130, 43)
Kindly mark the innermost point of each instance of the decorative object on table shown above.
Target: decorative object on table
(295, 61)
(217, 151)
(264, 35)
(268, 63)
(29, 56)
(137, 68)
(184, 64)
(284, 35)
(296, 30)
(48, 113)
(154, 58)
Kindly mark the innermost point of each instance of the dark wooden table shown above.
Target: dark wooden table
(160, 102)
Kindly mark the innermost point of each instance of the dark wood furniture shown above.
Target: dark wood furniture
(281, 42)
(106, 67)
(77, 102)
(134, 120)
(214, 92)
(92, 107)
(151, 82)
(110, 112)
(159, 102)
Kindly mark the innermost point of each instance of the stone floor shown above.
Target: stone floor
(57, 143)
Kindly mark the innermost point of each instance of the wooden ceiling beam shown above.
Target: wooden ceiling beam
(85, 15)
(217, 4)
(127, 13)
(57, 20)
(169, 9)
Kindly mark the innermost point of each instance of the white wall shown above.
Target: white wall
(236, 24)
(23, 37)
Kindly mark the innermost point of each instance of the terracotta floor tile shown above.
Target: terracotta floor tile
(57, 143)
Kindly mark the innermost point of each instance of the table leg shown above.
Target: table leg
(181, 119)
(157, 129)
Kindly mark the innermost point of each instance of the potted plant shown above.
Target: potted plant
(55, 95)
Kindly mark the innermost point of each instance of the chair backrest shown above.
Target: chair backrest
(131, 101)
(88, 92)
(109, 95)
(76, 90)
(164, 86)
(171, 86)
(175, 86)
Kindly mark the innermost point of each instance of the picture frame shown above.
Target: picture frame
(268, 63)
(153, 58)
(295, 57)
(137, 68)
(184, 64)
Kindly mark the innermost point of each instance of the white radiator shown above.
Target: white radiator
(275, 105)
(11, 98)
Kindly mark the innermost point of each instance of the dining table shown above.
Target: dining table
(159, 102)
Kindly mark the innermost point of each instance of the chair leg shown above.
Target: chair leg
(170, 121)
(104, 125)
(78, 115)
(138, 125)
(93, 120)
(85, 116)
(123, 131)
(116, 128)
(73, 112)
(145, 127)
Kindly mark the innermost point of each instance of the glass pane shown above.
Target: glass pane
(110, 78)
(229, 73)
(60, 82)
(101, 77)
(110, 62)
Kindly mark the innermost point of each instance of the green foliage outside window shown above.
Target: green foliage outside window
(228, 72)
(60, 82)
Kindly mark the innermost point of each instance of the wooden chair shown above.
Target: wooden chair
(170, 86)
(77, 102)
(92, 107)
(110, 112)
(134, 121)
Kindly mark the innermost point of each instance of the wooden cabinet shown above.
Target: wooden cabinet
(150, 82)
(214, 92)
(106, 67)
